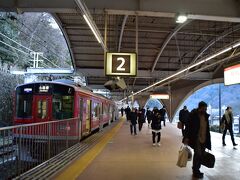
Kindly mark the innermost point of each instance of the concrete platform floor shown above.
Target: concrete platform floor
(128, 157)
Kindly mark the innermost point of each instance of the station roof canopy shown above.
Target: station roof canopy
(163, 46)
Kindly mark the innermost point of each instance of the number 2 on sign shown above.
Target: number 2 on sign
(120, 67)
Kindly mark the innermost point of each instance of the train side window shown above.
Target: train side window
(105, 109)
(62, 107)
(96, 110)
(110, 109)
(88, 115)
(42, 109)
(101, 109)
(67, 106)
(81, 109)
(93, 109)
(88, 109)
(56, 108)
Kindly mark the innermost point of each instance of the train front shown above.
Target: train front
(43, 101)
(50, 106)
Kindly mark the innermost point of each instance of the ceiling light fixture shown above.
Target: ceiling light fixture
(181, 18)
(92, 28)
(159, 96)
(235, 45)
(88, 18)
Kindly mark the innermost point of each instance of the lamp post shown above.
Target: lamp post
(220, 105)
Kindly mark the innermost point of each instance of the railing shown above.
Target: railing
(23, 147)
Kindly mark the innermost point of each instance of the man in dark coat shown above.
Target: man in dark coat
(156, 127)
(183, 118)
(141, 118)
(227, 120)
(133, 121)
(149, 116)
(122, 111)
(162, 112)
(197, 136)
(127, 112)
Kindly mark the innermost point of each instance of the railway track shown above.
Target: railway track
(51, 167)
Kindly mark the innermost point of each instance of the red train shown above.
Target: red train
(57, 100)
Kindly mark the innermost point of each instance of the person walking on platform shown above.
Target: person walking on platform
(149, 116)
(162, 112)
(156, 127)
(183, 118)
(133, 121)
(127, 112)
(227, 120)
(197, 136)
(122, 111)
(141, 118)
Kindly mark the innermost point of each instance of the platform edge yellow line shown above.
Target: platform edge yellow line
(77, 167)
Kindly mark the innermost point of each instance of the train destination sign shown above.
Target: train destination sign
(121, 64)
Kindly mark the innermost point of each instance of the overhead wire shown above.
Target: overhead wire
(28, 49)
(38, 41)
(26, 54)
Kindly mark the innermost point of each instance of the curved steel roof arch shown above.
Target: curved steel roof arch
(166, 41)
(214, 40)
(122, 30)
(65, 35)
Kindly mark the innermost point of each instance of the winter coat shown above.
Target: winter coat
(133, 117)
(162, 112)
(128, 111)
(156, 121)
(149, 115)
(193, 127)
(141, 116)
(184, 116)
(224, 120)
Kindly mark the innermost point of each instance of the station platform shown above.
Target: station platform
(122, 156)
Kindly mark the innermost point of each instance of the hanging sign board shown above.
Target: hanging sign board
(232, 75)
(121, 64)
(159, 96)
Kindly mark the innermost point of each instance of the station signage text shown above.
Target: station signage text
(121, 64)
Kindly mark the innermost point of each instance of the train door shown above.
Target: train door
(80, 117)
(113, 113)
(88, 115)
(109, 114)
(98, 114)
(101, 116)
(43, 108)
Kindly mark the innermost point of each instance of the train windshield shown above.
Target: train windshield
(62, 100)
(24, 101)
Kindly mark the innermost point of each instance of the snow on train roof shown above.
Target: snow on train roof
(66, 81)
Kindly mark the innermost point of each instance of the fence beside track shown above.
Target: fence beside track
(53, 166)
(23, 147)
